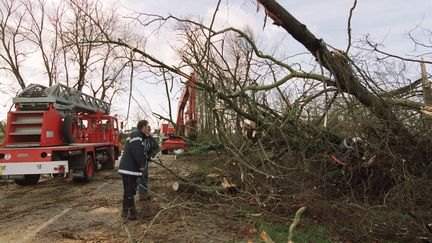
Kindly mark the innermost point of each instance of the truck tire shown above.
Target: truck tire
(89, 170)
(28, 180)
(165, 151)
(70, 128)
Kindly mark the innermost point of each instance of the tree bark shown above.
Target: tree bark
(195, 188)
(203, 189)
(337, 63)
(427, 94)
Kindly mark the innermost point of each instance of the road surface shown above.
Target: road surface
(55, 210)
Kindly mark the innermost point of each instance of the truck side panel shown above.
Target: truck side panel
(34, 167)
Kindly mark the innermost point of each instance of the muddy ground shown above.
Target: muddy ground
(55, 210)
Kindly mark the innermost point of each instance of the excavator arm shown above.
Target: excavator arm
(187, 122)
(188, 128)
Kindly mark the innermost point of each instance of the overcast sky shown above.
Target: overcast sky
(386, 21)
(383, 19)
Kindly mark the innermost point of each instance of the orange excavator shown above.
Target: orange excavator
(186, 124)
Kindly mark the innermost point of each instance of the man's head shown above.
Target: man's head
(143, 127)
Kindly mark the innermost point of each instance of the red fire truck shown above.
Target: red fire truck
(58, 130)
(187, 124)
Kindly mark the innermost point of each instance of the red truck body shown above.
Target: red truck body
(58, 131)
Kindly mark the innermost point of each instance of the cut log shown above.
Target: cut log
(201, 189)
(230, 188)
(192, 188)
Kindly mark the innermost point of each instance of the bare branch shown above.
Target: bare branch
(349, 25)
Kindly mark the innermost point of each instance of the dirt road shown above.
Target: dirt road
(58, 211)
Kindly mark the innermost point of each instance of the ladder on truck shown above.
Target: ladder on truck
(40, 112)
(63, 98)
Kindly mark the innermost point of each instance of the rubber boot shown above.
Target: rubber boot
(129, 212)
(132, 211)
(125, 208)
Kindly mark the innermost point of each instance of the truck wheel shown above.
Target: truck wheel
(89, 170)
(165, 151)
(70, 128)
(28, 180)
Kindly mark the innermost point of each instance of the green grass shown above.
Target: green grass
(305, 232)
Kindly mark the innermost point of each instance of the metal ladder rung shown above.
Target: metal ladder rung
(27, 131)
(18, 145)
(27, 112)
(23, 121)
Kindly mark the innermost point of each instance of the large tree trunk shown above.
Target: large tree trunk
(336, 63)
(427, 95)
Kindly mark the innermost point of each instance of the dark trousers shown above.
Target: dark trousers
(129, 185)
(142, 180)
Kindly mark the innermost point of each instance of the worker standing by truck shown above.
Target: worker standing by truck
(132, 166)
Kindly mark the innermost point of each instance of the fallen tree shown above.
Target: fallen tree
(339, 64)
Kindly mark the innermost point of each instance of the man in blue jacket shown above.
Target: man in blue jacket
(132, 164)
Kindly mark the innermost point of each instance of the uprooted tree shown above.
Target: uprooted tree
(335, 99)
